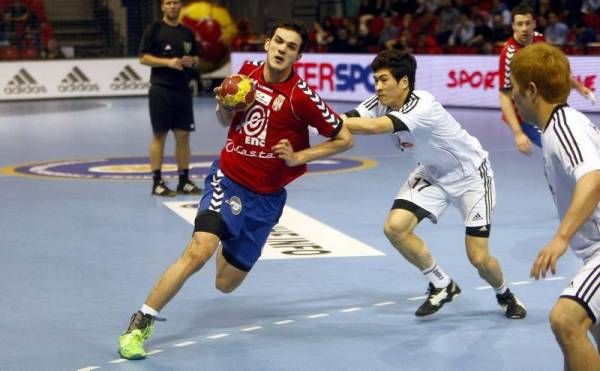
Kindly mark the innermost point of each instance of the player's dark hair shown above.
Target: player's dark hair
(521, 9)
(294, 25)
(399, 63)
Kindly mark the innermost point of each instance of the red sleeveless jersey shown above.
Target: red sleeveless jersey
(281, 111)
(511, 47)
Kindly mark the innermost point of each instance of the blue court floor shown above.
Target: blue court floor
(82, 242)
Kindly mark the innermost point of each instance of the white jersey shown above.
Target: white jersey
(435, 139)
(571, 147)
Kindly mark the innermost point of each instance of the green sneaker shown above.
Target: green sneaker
(131, 342)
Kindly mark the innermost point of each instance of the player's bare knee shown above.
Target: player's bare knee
(479, 261)
(225, 286)
(562, 323)
(396, 234)
(196, 254)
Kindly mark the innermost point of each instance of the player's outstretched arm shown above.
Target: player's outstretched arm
(369, 125)
(522, 143)
(585, 200)
(585, 92)
(341, 142)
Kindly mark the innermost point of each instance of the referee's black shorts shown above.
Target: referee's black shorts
(171, 109)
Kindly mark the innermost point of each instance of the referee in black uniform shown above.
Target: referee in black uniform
(171, 50)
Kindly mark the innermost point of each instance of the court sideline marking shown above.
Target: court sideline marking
(246, 329)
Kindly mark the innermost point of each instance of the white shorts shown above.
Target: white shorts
(474, 196)
(585, 287)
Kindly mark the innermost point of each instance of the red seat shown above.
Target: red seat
(29, 53)
(9, 53)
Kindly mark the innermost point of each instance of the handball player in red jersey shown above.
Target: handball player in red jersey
(267, 147)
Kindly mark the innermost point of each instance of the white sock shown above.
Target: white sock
(147, 310)
(501, 289)
(437, 276)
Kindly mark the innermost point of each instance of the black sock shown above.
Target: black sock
(184, 175)
(156, 176)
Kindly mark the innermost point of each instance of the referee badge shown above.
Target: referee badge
(278, 102)
(187, 47)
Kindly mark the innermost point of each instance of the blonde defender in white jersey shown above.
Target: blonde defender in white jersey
(571, 150)
(452, 168)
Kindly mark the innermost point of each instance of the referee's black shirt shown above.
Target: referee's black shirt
(164, 41)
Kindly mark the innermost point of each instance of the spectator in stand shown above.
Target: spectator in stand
(401, 43)
(426, 6)
(4, 41)
(463, 31)
(483, 35)
(500, 8)
(590, 6)
(16, 17)
(584, 34)
(556, 32)
(52, 51)
(322, 38)
(500, 31)
(402, 7)
(426, 44)
(448, 17)
(341, 42)
(374, 7)
(390, 31)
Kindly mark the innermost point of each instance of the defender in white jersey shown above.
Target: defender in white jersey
(452, 169)
(571, 150)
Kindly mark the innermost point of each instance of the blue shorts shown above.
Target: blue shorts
(533, 133)
(242, 219)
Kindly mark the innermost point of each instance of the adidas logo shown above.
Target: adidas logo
(477, 217)
(128, 79)
(483, 229)
(76, 81)
(23, 83)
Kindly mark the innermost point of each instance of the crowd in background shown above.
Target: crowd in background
(445, 26)
(417, 26)
(25, 32)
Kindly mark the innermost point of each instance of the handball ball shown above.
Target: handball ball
(214, 29)
(237, 92)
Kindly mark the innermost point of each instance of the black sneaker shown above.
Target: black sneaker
(161, 189)
(188, 188)
(513, 308)
(437, 298)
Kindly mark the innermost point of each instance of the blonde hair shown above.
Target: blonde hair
(547, 67)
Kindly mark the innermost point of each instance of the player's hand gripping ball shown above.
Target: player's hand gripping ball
(237, 92)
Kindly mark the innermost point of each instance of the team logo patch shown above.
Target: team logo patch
(138, 168)
(278, 102)
(235, 204)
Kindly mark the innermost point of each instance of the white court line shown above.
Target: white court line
(284, 322)
(348, 310)
(217, 336)
(554, 278)
(184, 344)
(384, 303)
(312, 316)
(154, 351)
(319, 315)
(253, 328)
